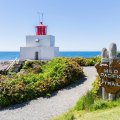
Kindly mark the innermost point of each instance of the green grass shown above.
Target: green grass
(85, 102)
(109, 114)
(89, 102)
(105, 114)
(92, 108)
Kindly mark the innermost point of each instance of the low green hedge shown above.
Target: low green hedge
(86, 61)
(36, 79)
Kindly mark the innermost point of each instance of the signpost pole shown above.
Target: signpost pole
(112, 55)
(104, 56)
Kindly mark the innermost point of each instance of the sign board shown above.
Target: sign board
(109, 73)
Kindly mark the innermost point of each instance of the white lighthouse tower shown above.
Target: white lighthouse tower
(40, 46)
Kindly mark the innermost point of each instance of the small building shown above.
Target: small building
(40, 46)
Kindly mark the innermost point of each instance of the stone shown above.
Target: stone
(104, 53)
(112, 51)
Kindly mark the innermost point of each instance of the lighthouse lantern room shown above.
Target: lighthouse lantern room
(41, 29)
(40, 46)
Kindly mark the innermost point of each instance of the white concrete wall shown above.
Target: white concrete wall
(45, 53)
(44, 46)
(56, 51)
(43, 40)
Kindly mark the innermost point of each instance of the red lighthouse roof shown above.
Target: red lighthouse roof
(41, 29)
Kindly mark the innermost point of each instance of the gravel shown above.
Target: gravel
(46, 108)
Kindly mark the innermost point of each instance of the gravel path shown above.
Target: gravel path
(45, 108)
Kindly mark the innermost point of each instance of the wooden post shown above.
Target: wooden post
(112, 55)
(104, 55)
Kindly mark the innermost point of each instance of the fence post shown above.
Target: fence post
(104, 55)
(112, 55)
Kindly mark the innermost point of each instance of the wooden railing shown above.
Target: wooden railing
(13, 62)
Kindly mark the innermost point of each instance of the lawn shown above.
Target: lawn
(109, 114)
(112, 113)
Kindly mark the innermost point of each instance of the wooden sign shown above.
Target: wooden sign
(109, 73)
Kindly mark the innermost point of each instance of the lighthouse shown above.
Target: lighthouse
(40, 46)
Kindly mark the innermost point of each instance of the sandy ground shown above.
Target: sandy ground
(46, 108)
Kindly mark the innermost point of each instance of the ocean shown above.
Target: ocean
(4, 56)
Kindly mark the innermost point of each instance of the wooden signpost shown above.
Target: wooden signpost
(109, 72)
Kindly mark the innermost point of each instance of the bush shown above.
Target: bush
(33, 66)
(30, 64)
(54, 75)
(96, 86)
(86, 61)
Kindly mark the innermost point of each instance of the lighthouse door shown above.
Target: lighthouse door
(36, 55)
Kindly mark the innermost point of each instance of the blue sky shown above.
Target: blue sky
(78, 25)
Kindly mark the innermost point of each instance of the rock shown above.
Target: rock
(112, 51)
(104, 53)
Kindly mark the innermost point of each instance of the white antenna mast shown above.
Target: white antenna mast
(40, 15)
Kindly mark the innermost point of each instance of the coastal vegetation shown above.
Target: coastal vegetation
(41, 78)
(91, 104)
(87, 61)
(36, 79)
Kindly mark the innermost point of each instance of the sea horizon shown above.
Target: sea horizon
(65, 51)
(11, 55)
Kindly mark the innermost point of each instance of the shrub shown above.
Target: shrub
(90, 62)
(33, 66)
(86, 61)
(54, 75)
(79, 60)
(30, 64)
(96, 85)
